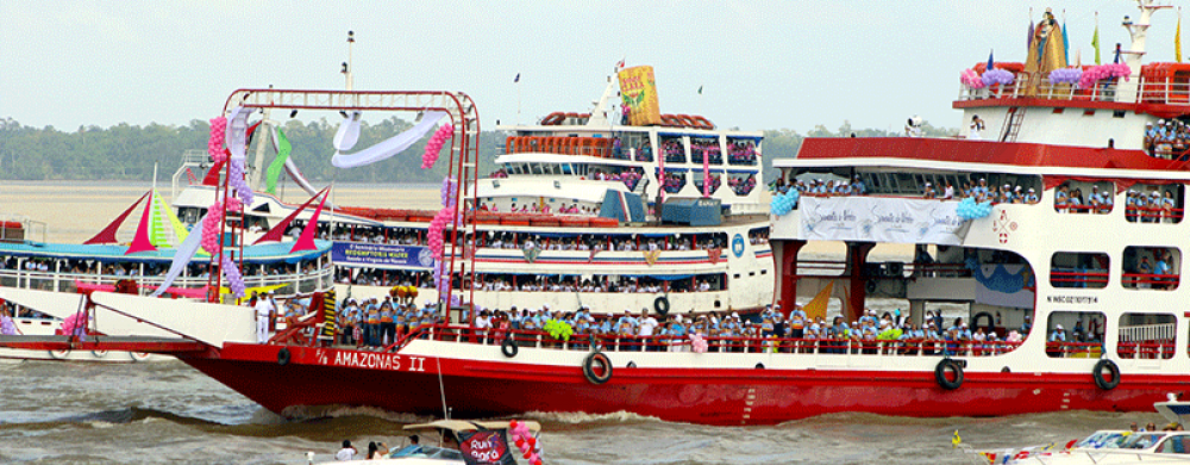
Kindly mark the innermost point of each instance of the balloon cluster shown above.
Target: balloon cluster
(76, 325)
(234, 204)
(215, 143)
(235, 178)
(784, 203)
(7, 327)
(234, 280)
(968, 209)
(524, 440)
(1066, 76)
(210, 228)
(997, 76)
(971, 79)
(698, 343)
(1108, 71)
(558, 329)
(434, 146)
(445, 216)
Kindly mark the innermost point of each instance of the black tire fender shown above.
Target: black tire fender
(940, 374)
(283, 356)
(661, 306)
(605, 364)
(509, 348)
(1101, 381)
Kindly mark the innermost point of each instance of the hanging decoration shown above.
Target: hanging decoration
(559, 330)
(182, 256)
(235, 179)
(389, 147)
(434, 146)
(348, 133)
(215, 142)
(234, 279)
(782, 204)
(525, 441)
(997, 76)
(76, 325)
(1101, 72)
(210, 228)
(970, 78)
(969, 210)
(7, 327)
(1066, 76)
(698, 344)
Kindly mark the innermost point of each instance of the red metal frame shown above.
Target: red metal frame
(463, 164)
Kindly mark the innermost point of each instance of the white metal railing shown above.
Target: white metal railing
(1165, 91)
(1158, 332)
(320, 279)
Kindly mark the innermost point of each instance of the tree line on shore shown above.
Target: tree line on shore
(128, 152)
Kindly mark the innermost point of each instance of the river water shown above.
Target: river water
(52, 412)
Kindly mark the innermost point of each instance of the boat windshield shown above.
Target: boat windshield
(1141, 440)
(428, 452)
(1103, 440)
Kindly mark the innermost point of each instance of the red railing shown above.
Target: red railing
(628, 343)
(1153, 214)
(1146, 349)
(1095, 279)
(1153, 281)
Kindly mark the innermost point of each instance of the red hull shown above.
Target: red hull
(712, 396)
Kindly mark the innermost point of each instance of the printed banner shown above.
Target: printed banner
(381, 255)
(638, 90)
(485, 448)
(876, 219)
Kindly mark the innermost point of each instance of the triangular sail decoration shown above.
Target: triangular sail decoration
(165, 230)
(306, 242)
(108, 235)
(141, 242)
(278, 231)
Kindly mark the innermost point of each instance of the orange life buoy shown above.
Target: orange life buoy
(553, 119)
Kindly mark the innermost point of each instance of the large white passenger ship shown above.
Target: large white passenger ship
(1064, 294)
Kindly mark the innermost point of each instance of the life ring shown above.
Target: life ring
(59, 354)
(139, 356)
(991, 321)
(870, 287)
(99, 353)
(283, 356)
(604, 363)
(631, 364)
(661, 305)
(509, 348)
(759, 366)
(1103, 382)
(940, 374)
(553, 119)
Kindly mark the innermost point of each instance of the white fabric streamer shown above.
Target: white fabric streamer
(390, 147)
(182, 256)
(237, 132)
(348, 133)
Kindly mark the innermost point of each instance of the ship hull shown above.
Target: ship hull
(487, 388)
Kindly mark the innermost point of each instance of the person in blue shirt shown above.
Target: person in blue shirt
(678, 331)
(858, 187)
(1162, 268)
(1059, 334)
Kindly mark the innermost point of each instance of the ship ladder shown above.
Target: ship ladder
(1012, 126)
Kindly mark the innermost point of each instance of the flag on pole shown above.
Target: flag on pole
(1095, 39)
(620, 64)
(1065, 39)
(700, 88)
(517, 78)
(1177, 39)
(991, 62)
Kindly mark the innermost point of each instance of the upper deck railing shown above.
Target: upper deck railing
(1162, 92)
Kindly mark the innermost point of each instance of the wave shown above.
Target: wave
(306, 413)
(574, 418)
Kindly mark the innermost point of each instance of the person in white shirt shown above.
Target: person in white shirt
(348, 452)
(263, 308)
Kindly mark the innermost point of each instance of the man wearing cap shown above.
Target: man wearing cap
(929, 192)
(264, 313)
(1059, 334)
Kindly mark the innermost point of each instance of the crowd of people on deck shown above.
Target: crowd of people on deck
(537, 207)
(126, 269)
(1152, 207)
(1168, 139)
(1067, 200)
(710, 147)
(742, 153)
(601, 283)
(602, 242)
(672, 148)
(742, 185)
(673, 182)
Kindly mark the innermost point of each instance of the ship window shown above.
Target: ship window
(1146, 335)
(1153, 203)
(1079, 269)
(1096, 197)
(566, 169)
(673, 149)
(1118, 114)
(742, 151)
(536, 168)
(1074, 334)
(1151, 268)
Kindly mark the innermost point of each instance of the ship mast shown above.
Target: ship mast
(1139, 31)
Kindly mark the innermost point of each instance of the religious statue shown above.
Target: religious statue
(1047, 51)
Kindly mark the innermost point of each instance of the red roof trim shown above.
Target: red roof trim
(965, 151)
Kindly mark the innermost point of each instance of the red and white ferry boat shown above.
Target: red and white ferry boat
(1100, 277)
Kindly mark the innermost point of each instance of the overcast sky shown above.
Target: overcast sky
(763, 65)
